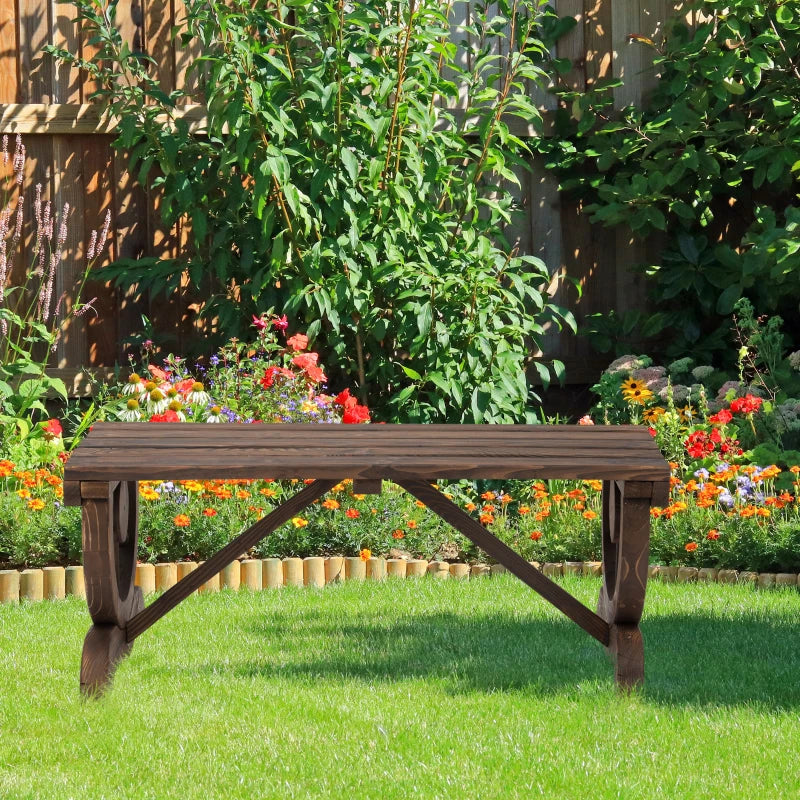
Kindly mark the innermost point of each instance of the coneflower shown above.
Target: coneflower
(132, 412)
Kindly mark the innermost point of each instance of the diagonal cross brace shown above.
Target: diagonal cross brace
(510, 559)
(241, 544)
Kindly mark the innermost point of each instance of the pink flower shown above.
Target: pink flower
(585, 420)
(52, 429)
(281, 323)
(308, 363)
(260, 323)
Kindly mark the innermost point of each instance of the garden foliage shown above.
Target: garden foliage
(333, 183)
(709, 162)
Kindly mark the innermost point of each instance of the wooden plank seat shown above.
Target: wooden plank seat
(102, 476)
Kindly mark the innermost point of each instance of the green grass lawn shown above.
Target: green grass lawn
(414, 688)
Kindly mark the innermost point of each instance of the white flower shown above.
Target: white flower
(131, 412)
(215, 414)
(198, 395)
(794, 360)
(177, 407)
(135, 385)
(157, 403)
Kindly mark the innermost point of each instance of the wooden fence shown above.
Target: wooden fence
(69, 153)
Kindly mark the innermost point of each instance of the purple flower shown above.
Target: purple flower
(725, 498)
(701, 473)
(214, 361)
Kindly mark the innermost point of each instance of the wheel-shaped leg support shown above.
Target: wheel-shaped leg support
(626, 547)
(110, 539)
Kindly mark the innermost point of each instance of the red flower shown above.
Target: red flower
(158, 373)
(352, 513)
(652, 432)
(280, 323)
(52, 429)
(167, 416)
(345, 399)
(271, 373)
(185, 386)
(748, 404)
(536, 535)
(260, 323)
(713, 534)
(722, 417)
(355, 414)
(298, 342)
(308, 363)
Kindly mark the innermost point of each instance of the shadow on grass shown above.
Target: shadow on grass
(690, 658)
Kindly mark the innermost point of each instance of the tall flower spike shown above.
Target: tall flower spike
(104, 234)
(92, 245)
(5, 149)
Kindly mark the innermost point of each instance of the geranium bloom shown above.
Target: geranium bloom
(273, 372)
(352, 513)
(298, 342)
(748, 404)
(308, 363)
(345, 399)
(158, 374)
(182, 521)
(52, 429)
(722, 417)
(355, 414)
(167, 416)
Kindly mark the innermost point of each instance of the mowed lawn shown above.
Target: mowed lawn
(405, 689)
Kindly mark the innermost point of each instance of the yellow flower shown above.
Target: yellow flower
(632, 385)
(36, 504)
(652, 414)
(365, 555)
(299, 522)
(640, 396)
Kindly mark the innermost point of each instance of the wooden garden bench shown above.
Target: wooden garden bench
(102, 473)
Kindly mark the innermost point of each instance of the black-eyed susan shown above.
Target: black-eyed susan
(652, 414)
(640, 396)
(632, 385)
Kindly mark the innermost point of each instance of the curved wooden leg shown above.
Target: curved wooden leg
(626, 547)
(110, 541)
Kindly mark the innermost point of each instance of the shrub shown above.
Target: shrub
(332, 183)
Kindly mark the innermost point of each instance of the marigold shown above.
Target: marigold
(398, 534)
(330, 504)
(524, 510)
(242, 494)
(268, 492)
(352, 513)
(299, 522)
(794, 469)
(589, 514)
(181, 521)
(470, 506)
(365, 554)
(412, 524)
(486, 519)
(209, 512)
(487, 496)
(488, 508)
(536, 535)
(690, 547)
(713, 535)
(36, 504)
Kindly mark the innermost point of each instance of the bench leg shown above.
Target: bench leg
(110, 540)
(626, 547)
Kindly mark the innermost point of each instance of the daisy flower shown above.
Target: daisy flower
(135, 385)
(215, 414)
(177, 407)
(198, 395)
(157, 402)
(132, 411)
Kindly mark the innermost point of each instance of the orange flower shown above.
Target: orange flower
(36, 504)
(224, 494)
(713, 535)
(24, 493)
(506, 498)
(331, 504)
(690, 547)
(486, 519)
(412, 524)
(268, 492)
(794, 470)
(365, 555)
(299, 522)
(209, 512)
(419, 504)
(524, 510)
(487, 496)
(352, 513)
(488, 508)
(540, 515)
(559, 497)
(398, 534)
(470, 506)
(577, 494)
(536, 535)
(589, 515)
(596, 485)
(182, 521)
(242, 494)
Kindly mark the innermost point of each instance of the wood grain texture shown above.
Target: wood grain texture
(9, 48)
(109, 552)
(511, 560)
(241, 544)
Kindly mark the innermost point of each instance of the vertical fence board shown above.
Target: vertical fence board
(9, 50)
(36, 71)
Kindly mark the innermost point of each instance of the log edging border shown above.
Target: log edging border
(56, 583)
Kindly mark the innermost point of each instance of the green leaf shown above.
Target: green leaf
(412, 373)
(727, 299)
